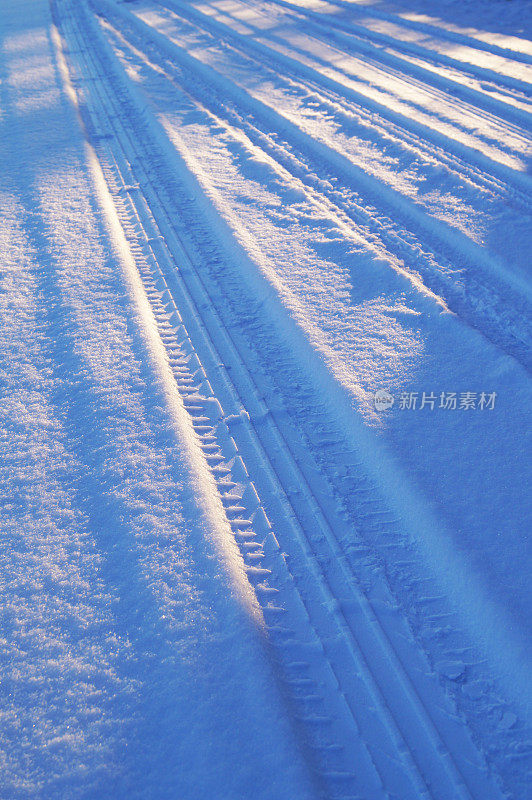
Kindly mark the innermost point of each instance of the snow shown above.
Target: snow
(224, 227)
(130, 666)
(373, 331)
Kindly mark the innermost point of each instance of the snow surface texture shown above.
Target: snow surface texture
(128, 666)
(227, 573)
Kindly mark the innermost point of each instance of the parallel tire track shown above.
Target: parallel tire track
(467, 157)
(423, 53)
(374, 115)
(426, 27)
(332, 32)
(413, 740)
(310, 683)
(434, 262)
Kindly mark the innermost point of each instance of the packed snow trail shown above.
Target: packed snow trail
(281, 258)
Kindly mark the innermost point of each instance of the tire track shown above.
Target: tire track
(466, 155)
(414, 49)
(502, 314)
(426, 27)
(419, 763)
(395, 64)
(325, 722)
(390, 130)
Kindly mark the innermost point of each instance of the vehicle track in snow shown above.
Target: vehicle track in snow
(446, 33)
(397, 48)
(349, 665)
(511, 107)
(482, 296)
(310, 68)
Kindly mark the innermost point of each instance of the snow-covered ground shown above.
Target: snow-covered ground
(228, 571)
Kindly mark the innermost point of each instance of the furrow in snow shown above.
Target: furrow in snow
(509, 47)
(329, 41)
(293, 638)
(408, 710)
(472, 128)
(500, 71)
(316, 165)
